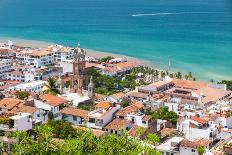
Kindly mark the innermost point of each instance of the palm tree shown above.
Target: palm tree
(156, 74)
(163, 74)
(186, 76)
(212, 80)
(190, 75)
(51, 87)
(179, 75)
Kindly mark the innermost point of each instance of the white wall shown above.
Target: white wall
(187, 151)
(23, 124)
(69, 118)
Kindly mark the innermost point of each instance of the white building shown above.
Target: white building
(18, 122)
(188, 147)
(5, 66)
(33, 86)
(197, 127)
(170, 147)
(115, 98)
(37, 58)
(101, 116)
(23, 76)
(75, 116)
(61, 53)
(138, 119)
(49, 103)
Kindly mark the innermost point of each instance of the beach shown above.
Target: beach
(89, 52)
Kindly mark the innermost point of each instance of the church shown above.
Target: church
(79, 90)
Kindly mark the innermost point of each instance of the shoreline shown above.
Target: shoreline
(98, 54)
(89, 52)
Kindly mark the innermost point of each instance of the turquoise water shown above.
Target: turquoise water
(196, 35)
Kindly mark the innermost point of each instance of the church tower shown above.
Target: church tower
(78, 79)
(91, 88)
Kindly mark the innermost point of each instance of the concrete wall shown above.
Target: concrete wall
(70, 119)
(23, 124)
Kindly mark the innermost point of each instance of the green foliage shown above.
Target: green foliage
(105, 59)
(6, 121)
(152, 138)
(62, 129)
(200, 150)
(104, 84)
(83, 143)
(140, 131)
(86, 106)
(164, 113)
(51, 87)
(125, 102)
(50, 116)
(228, 113)
(228, 83)
(22, 95)
(67, 84)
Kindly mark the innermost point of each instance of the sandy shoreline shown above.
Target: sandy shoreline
(90, 52)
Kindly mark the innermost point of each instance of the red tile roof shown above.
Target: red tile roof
(188, 84)
(199, 120)
(194, 144)
(52, 99)
(131, 108)
(75, 112)
(9, 103)
(117, 124)
(103, 105)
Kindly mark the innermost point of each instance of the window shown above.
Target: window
(193, 150)
(38, 115)
(144, 122)
(75, 118)
(91, 120)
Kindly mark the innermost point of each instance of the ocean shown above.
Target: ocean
(195, 35)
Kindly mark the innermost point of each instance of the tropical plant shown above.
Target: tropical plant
(200, 150)
(51, 87)
(228, 83)
(212, 80)
(179, 75)
(153, 138)
(190, 75)
(163, 113)
(84, 142)
(140, 131)
(22, 95)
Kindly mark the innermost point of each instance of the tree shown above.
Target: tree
(153, 138)
(22, 95)
(62, 129)
(190, 76)
(84, 142)
(212, 80)
(125, 102)
(186, 76)
(200, 150)
(51, 87)
(165, 114)
(105, 59)
(179, 75)
(140, 131)
(50, 116)
(228, 84)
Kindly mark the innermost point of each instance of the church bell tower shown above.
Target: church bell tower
(79, 63)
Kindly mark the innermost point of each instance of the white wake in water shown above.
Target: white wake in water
(173, 13)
